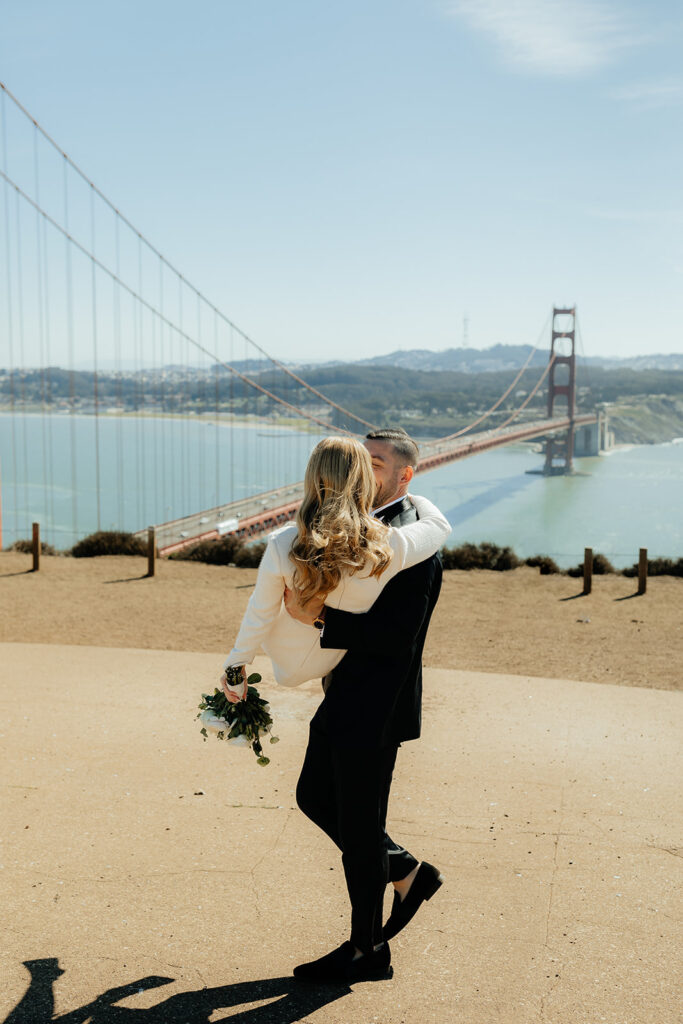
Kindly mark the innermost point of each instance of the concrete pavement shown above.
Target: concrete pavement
(151, 877)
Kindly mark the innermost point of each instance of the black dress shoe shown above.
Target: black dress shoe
(427, 880)
(339, 967)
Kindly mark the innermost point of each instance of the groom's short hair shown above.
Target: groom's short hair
(403, 445)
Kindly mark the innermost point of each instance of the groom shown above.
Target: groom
(372, 704)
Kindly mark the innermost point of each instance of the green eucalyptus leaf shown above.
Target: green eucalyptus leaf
(249, 717)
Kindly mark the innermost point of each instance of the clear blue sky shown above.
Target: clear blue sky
(346, 179)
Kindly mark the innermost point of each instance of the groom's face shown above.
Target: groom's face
(387, 470)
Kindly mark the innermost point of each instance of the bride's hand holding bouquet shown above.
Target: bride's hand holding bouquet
(236, 691)
(237, 712)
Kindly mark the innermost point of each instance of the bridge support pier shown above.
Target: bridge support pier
(559, 451)
(593, 438)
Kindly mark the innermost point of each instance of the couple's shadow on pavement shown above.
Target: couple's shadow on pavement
(290, 1001)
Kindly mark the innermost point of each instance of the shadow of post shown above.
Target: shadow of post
(290, 1001)
(128, 579)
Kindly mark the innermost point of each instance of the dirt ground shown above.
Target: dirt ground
(516, 622)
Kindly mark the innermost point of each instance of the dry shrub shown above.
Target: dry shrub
(546, 565)
(601, 566)
(228, 550)
(109, 542)
(480, 556)
(213, 552)
(658, 567)
(250, 555)
(25, 547)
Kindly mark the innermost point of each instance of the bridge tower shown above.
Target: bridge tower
(559, 451)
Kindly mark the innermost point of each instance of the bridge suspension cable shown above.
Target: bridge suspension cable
(485, 415)
(528, 398)
(149, 321)
(159, 255)
(585, 368)
(164, 319)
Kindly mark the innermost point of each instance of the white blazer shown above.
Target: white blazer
(293, 647)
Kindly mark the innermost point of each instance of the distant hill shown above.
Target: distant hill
(655, 362)
(645, 402)
(506, 357)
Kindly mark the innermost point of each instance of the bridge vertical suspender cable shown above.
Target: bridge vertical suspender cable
(41, 332)
(155, 475)
(254, 385)
(117, 325)
(528, 398)
(217, 434)
(182, 396)
(201, 388)
(162, 387)
(130, 325)
(47, 321)
(71, 163)
(96, 397)
(70, 348)
(136, 311)
(264, 385)
(10, 316)
(248, 435)
(485, 415)
(21, 341)
(232, 415)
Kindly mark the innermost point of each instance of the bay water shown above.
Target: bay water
(153, 469)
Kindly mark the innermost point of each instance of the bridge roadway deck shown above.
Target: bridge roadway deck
(256, 516)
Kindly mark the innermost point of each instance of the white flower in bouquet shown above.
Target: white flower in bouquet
(242, 723)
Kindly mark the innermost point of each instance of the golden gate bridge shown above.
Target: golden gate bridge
(82, 284)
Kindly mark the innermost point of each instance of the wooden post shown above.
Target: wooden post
(587, 570)
(36, 547)
(151, 550)
(642, 571)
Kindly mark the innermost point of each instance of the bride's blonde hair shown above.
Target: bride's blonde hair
(337, 534)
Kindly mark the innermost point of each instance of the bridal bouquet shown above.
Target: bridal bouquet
(242, 723)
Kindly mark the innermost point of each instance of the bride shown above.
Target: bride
(335, 554)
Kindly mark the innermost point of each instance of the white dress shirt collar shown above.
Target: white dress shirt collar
(381, 508)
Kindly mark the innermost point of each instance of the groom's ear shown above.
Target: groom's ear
(407, 474)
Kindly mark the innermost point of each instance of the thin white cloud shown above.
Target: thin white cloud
(551, 37)
(666, 92)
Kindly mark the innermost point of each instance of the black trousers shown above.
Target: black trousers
(345, 792)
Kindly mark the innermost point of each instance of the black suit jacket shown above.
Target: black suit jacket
(375, 694)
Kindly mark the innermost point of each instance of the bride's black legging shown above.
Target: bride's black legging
(345, 792)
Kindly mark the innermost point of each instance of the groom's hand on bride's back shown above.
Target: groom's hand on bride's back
(305, 613)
